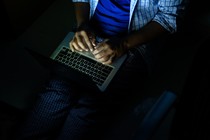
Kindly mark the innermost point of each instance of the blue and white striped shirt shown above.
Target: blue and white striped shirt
(164, 12)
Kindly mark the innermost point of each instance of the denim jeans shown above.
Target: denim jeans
(65, 111)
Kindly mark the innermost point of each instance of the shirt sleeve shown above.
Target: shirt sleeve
(80, 0)
(168, 12)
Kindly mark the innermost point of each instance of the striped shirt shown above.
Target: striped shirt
(165, 12)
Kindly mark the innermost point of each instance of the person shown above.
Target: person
(64, 110)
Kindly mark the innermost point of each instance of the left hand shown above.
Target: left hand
(106, 51)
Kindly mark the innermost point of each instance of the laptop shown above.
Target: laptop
(83, 68)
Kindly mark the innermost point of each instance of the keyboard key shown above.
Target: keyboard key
(96, 70)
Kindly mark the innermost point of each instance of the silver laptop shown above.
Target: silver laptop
(85, 63)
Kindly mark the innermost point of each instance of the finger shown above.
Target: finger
(97, 51)
(99, 48)
(93, 42)
(103, 59)
(101, 52)
(99, 55)
(74, 46)
(87, 40)
(71, 46)
(110, 60)
(80, 41)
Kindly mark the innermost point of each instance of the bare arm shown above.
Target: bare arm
(144, 35)
(106, 51)
(81, 40)
(82, 11)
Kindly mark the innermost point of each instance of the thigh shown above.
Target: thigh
(49, 112)
(86, 118)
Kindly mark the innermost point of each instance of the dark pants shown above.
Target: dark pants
(65, 111)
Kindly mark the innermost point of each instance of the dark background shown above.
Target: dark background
(41, 26)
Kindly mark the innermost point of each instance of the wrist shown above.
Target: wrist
(119, 45)
(83, 26)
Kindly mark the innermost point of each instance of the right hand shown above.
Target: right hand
(83, 40)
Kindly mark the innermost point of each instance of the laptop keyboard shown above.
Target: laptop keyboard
(96, 70)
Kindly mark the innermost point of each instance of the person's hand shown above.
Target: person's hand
(106, 51)
(83, 40)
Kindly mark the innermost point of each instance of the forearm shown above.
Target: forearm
(148, 33)
(82, 11)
